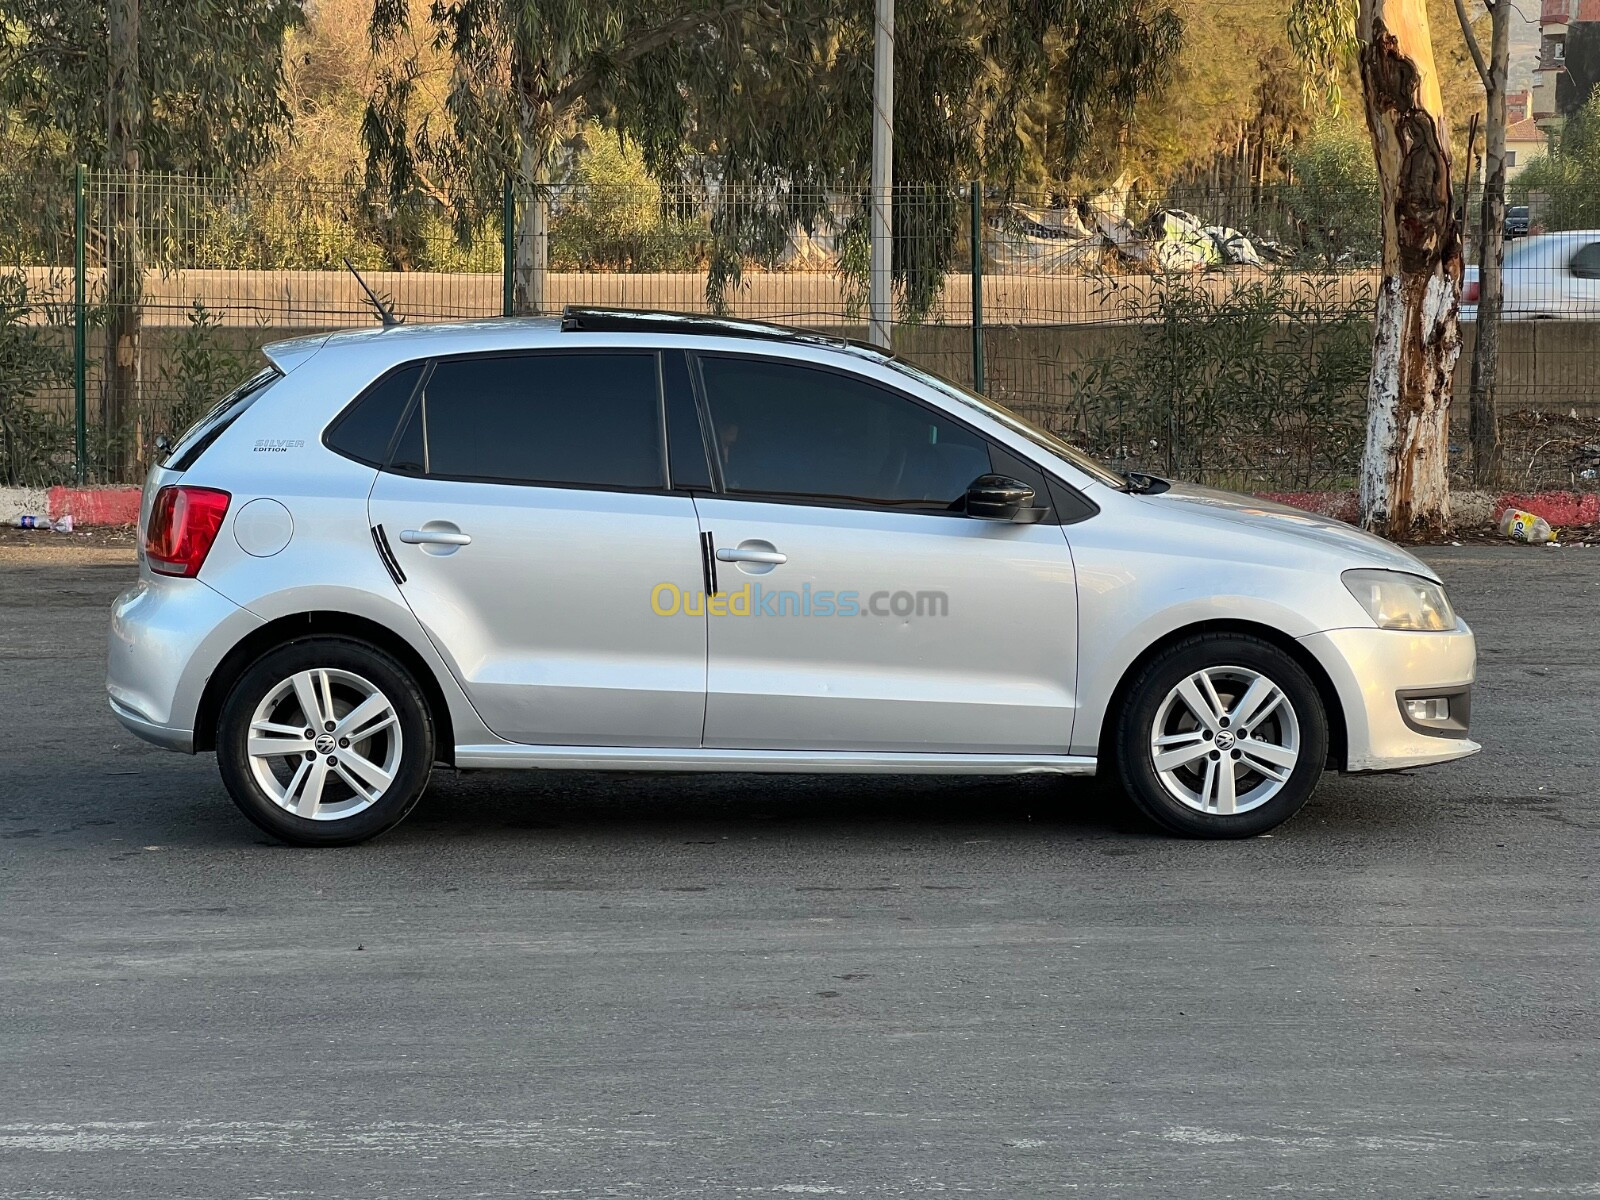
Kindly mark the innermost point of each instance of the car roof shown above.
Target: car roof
(607, 326)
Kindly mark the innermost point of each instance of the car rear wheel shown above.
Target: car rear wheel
(1222, 735)
(325, 742)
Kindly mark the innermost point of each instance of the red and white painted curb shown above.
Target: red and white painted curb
(99, 506)
(87, 506)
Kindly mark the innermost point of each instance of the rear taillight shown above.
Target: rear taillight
(1469, 292)
(184, 522)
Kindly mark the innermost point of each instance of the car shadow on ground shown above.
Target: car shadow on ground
(474, 804)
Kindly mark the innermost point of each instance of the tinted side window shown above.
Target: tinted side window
(366, 428)
(791, 430)
(580, 419)
(1586, 262)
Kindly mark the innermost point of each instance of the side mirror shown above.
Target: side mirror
(1001, 498)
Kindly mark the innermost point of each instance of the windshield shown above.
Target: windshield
(1042, 438)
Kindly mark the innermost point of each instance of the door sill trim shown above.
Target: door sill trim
(848, 762)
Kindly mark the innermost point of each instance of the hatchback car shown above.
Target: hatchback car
(1546, 277)
(654, 543)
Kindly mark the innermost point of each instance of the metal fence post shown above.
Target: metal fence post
(508, 235)
(80, 332)
(975, 191)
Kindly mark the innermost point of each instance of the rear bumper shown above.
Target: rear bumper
(1375, 670)
(167, 637)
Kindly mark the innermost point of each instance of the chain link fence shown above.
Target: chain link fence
(1217, 335)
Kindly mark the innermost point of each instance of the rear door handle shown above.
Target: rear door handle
(772, 558)
(435, 537)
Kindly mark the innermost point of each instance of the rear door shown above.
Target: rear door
(527, 506)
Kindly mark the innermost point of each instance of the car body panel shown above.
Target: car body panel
(545, 617)
(983, 660)
(1370, 667)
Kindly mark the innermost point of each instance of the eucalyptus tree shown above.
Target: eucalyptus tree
(1494, 71)
(191, 87)
(1404, 477)
(771, 96)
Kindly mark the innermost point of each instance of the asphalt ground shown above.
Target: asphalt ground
(734, 986)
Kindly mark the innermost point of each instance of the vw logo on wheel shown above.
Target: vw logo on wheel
(324, 743)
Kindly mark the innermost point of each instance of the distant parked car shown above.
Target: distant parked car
(1517, 221)
(1548, 277)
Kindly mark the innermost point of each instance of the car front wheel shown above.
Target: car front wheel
(1222, 736)
(325, 742)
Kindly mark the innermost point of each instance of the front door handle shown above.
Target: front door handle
(435, 537)
(772, 558)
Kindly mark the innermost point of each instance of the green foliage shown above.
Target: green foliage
(1566, 184)
(210, 74)
(612, 216)
(36, 442)
(769, 99)
(1231, 382)
(1334, 196)
(289, 229)
(200, 369)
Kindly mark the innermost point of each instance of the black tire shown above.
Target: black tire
(1143, 706)
(414, 750)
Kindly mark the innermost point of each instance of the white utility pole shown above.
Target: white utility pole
(880, 295)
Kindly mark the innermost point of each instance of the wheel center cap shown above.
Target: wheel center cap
(1224, 740)
(324, 743)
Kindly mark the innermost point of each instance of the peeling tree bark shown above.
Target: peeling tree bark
(1405, 470)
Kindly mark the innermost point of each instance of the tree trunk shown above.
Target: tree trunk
(1405, 486)
(124, 276)
(532, 259)
(1485, 425)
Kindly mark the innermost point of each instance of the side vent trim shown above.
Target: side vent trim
(390, 563)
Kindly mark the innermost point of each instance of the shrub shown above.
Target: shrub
(1334, 197)
(1239, 381)
(36, 442)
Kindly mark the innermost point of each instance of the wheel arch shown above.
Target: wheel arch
(1326, 692)
(299, 626)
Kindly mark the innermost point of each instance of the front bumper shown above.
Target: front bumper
(167, 637)
(1373, 670)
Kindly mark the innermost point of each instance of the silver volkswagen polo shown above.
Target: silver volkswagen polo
(646, 542)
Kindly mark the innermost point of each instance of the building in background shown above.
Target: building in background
(1525, 140)
(1569, 59)
(1517, 106)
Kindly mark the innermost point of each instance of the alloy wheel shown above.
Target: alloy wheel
(1225, 740)
(324, 744)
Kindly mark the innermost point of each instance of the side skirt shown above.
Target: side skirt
(809, 762)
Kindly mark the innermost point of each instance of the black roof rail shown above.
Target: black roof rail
(576, 319)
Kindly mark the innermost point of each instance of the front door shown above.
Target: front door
(526, 505)
(858, 608)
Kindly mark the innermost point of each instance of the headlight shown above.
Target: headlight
(1398, 601)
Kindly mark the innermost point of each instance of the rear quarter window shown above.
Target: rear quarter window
(366, 429)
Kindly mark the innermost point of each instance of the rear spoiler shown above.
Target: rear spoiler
(289, 354)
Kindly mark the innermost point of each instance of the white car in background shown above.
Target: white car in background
(1548, 277)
